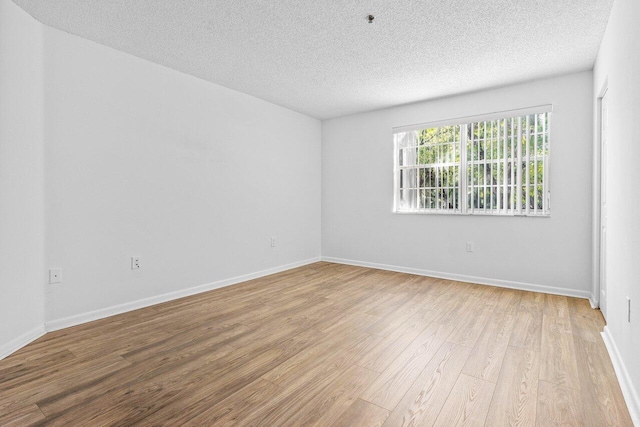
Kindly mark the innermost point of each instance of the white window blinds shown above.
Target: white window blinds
(495, 164)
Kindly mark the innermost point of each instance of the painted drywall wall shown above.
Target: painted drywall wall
(21, 181)
(357, 196)
(193, 178)
(618, 68)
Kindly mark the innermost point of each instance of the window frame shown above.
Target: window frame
(464, 166)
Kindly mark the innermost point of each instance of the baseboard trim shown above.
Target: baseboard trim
(594, 303)
(464, 278)
(631, 396)
(19, 342)
(54, 325)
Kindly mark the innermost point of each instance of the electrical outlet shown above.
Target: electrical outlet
(470, 247)
(135, 262)
(55, 275)
(273, 242)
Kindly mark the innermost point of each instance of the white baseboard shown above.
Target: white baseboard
(464, 278)
(54, 325)
(594, 303)
(631, 396)
(19, 342)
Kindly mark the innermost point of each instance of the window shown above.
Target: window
(495, 164)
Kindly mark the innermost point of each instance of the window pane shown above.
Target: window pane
(430, 165)
(505, 161)
(504, 169)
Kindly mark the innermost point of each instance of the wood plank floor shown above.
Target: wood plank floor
(329, 345)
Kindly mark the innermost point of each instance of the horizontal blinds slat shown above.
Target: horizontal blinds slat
(478, 118)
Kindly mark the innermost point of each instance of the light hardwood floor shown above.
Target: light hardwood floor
(328, 345)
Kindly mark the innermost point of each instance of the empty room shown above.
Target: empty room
(340, 213)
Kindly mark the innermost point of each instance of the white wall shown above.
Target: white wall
(192, 177)
(357, 196)
(618, 64)
(21, 181)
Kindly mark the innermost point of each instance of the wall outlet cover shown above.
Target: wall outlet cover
(55, 275)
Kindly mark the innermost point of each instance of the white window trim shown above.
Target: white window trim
(463, 202)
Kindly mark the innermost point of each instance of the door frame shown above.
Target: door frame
(597, 193)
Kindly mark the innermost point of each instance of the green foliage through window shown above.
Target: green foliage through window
(496, 166)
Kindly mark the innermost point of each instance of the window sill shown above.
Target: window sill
(454, 213)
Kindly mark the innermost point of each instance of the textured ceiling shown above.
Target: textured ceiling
(323, 59)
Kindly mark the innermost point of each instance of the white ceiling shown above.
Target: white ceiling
(323, 59)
